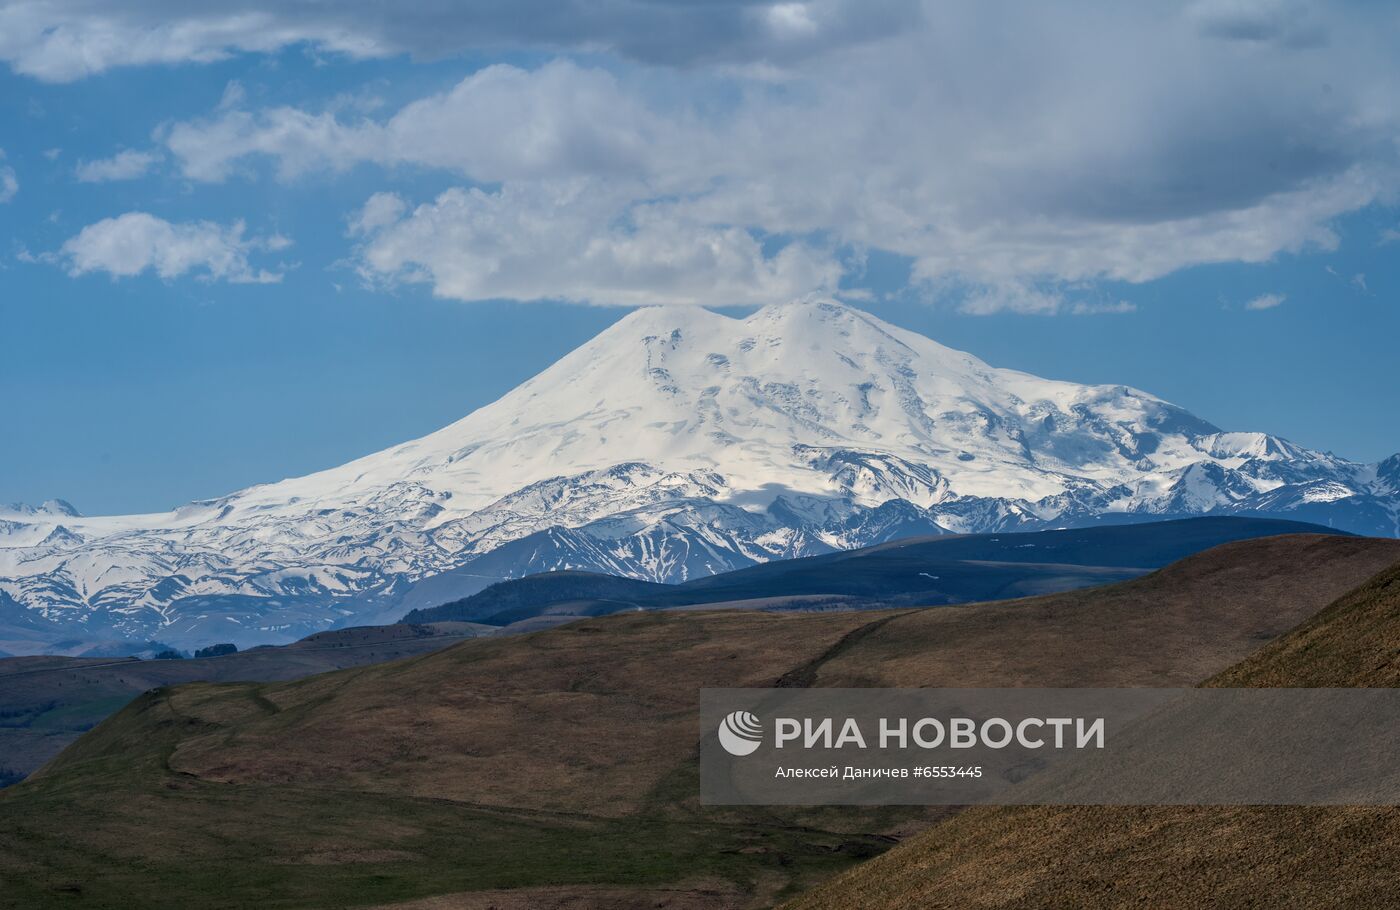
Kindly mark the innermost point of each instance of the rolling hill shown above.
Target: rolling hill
(47, 702)
(1208, 856)
(558, 768)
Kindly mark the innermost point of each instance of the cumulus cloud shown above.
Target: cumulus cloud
(1265, 302)
(576, 240)
(1092, 142)
(500, 123)
(125, 165)
(135, 242)
(9, 183)
(63, 40)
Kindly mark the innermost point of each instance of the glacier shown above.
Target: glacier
(679, 442)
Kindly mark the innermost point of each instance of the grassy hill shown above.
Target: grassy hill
(47, 702)
(1226, 857)
(558, 768)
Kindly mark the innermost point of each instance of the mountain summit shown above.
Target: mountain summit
(677, 443)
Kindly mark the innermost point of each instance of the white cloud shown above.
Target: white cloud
(1092, 141)
(1011, 297)
(125, 165)
(64, 40)
(1098, 309)
(500, 123)
(1265, 302)
(1115, 142)
(576, 240)
(137, 241)
(9, 182)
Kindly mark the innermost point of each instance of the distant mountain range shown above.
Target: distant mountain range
(918, 571)
(677, 444)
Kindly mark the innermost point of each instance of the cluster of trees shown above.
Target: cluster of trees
(218, 650)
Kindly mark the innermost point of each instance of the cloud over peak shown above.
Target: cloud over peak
(1003, 159)
(770, 142)
(579, 241)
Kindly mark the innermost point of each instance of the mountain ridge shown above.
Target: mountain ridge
(912, 571)
(677, 443)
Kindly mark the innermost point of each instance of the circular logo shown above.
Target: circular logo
(740, 733)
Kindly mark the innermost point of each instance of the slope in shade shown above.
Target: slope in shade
(676, 444)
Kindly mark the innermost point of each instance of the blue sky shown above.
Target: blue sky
(246, 248)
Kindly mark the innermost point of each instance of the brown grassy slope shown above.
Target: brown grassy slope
(592, 716)
(553, 760)
(589, 717)
(1179, 857)
(47, 702)
(1354, 642)
(1173, 627)
(565, 759)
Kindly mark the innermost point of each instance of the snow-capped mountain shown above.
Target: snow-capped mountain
(679, 442)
